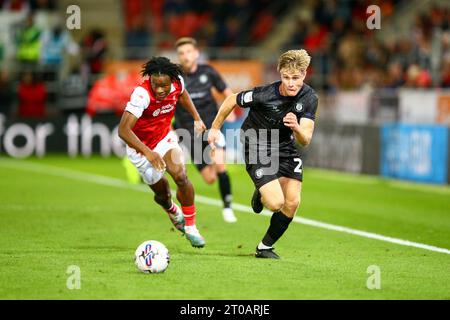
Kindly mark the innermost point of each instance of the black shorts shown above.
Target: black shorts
(289, 167)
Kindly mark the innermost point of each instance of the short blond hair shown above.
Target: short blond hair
(294, 60)
(185, 40)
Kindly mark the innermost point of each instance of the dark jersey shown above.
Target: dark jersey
(199, 85)
(267, 110)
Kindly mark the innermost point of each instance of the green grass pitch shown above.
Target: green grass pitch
(50, 220)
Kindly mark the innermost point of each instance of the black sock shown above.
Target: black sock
(278, 225)
(225, 189)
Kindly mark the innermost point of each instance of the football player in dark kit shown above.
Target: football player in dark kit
(281, 114)
(199, 80)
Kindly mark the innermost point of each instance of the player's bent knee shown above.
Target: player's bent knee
(291, 206)
(162, 198)
(209, 178)
(181, 179)
(274, 204)
(208, 175)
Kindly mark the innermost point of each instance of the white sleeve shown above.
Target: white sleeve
(139, 101)
(182, 84)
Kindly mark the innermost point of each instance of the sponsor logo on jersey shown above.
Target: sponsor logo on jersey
(167, 108)
(164, 109)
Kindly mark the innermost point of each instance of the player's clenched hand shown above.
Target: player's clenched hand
(199, 127)
(156, 160)
(290, 120)
(213, 137)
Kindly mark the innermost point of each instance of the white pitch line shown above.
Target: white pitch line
(113, 182)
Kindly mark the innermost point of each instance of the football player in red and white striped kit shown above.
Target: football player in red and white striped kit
(153, 148)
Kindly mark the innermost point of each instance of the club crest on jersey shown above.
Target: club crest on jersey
(203, 78)
(299, 107)
(259, 173)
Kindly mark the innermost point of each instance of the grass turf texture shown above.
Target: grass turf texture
(49, 223)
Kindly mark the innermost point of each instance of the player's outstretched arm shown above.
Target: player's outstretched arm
(232, 116)
(186, 102)
(126, 133)
(225, 109)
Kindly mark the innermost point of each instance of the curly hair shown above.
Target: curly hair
(162, 66)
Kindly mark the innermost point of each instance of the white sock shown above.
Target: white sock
(262, 246)
(190, 228)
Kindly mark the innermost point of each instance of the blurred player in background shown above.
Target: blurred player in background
(200, 79)
(153, 148)
(288, 107)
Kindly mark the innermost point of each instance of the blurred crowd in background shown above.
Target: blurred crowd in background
(35, 78)
(346, 54)
(214, 23)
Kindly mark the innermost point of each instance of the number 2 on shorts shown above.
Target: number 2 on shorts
(298, 167)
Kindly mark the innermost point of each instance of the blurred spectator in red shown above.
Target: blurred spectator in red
(16, 6)
(263, 25)
(101, 97)
(111, 93)
(94, 48)
(315, 38)
(417, 77)
(32, 96)
(424, 79)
